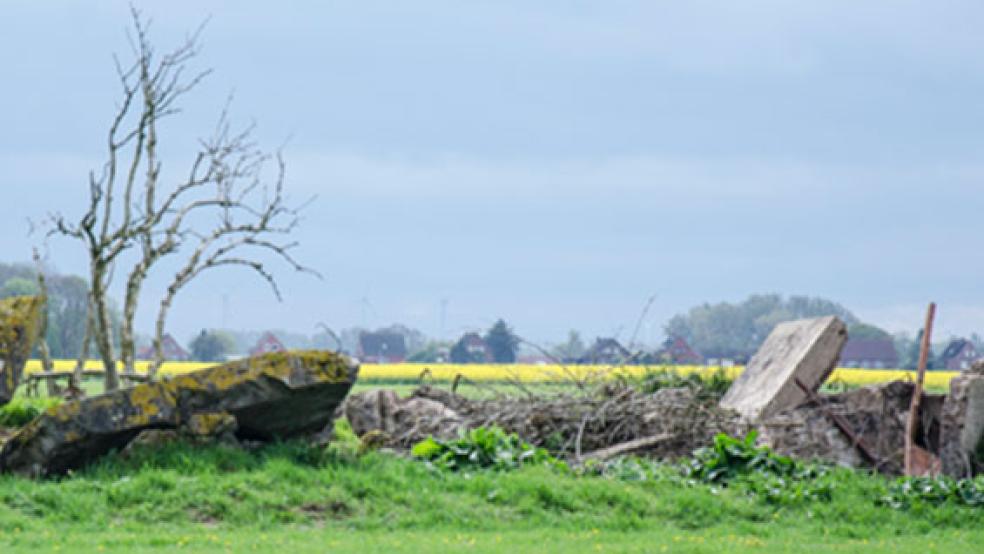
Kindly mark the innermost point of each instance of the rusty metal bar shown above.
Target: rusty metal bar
(910, 422)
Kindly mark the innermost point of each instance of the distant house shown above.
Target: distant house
(869, 353)
(172, 351)
(471, 348)
(677, 350)
(959, 355)
(267, 343)
(606, 351)
(382, 347)
(535, 359)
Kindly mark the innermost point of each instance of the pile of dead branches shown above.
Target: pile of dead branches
(580, 422)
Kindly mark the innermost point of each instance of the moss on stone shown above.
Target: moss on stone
(20, 320)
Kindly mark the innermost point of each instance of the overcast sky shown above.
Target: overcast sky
(554, 164)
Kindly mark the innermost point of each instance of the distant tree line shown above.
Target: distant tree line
(735, 331)
(67, 301)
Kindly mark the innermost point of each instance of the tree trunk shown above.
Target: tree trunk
(43, 350)
(46, 363)
(104, 329)
(159, 334)
(127, 348)
(79, 374)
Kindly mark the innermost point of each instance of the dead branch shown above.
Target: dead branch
(627, 447)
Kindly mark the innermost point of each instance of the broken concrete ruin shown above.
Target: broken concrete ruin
(274, 396)
(806, 350)
(777, 394)
(19, 322)
(962, 434)
(876, 417)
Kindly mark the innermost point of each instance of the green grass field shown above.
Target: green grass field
(295, 498)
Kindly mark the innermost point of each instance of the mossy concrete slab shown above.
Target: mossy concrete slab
(20, 318)
(273, 396)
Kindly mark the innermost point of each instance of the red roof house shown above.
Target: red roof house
(267, 343)
(677, 351)
(172, 351)
(382, 347)
(606, 351)
(471, 348)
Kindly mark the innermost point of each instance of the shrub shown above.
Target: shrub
(713, 384)
(907, 491)
(481, 448)
(20, 411)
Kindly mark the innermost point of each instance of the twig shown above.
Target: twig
(642, 317)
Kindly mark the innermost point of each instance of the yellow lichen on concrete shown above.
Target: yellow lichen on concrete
(330, 367)
(20, 318)
(147, 401)
(323, 366)
(210, 424)
(65, 411)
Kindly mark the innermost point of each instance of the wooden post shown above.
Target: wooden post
(910, 424)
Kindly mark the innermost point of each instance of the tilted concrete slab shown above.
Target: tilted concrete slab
(273, 396)
(806, 349)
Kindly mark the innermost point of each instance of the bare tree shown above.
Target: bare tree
(224, 184)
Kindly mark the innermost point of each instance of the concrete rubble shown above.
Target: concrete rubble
(876, 415)
(962, 433)
(20, 317)
(273, 396)
(858, 428)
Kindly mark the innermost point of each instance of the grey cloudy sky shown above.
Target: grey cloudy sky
(552, 164)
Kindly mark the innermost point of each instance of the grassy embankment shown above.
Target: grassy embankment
(295, 498)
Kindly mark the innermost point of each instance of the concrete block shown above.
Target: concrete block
(963, 425)
(806, 349)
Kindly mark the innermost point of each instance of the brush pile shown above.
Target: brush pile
(571, 424)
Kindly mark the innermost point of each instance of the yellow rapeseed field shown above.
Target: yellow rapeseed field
(534, 373)
(537, 373)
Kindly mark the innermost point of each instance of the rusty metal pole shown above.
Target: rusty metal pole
(910, 424)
